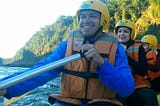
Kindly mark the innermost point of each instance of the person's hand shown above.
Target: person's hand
(91, 54)
(3, 92)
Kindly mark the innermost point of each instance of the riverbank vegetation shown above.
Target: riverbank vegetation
(145, 13)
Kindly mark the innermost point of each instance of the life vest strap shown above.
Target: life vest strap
(85, 101)
(82, 54)
(81, 74)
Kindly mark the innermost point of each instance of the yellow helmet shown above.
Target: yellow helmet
(127, 24)
(151, 40)
(100, 7)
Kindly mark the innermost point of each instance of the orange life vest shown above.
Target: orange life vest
(133, 52)
(154, 69)
(75, 88)
(151, 57)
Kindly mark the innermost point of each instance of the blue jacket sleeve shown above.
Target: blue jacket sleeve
(30, 84)
(118, 77)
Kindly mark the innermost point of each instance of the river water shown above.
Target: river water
(36, 97)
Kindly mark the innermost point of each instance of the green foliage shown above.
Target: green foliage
(42, 43)
(1, 61)
(145, 14)
(158, 98)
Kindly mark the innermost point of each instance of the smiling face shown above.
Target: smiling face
(123, 34)
(89, 22)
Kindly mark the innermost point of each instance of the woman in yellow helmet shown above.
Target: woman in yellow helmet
(153, 58)
(125, 31)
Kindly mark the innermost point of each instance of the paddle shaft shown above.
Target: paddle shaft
(31, 73)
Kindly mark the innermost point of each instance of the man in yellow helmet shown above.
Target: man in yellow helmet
(137, 60)
(101, 72)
